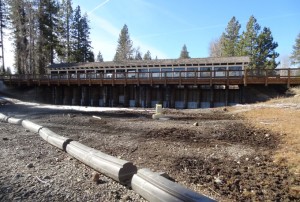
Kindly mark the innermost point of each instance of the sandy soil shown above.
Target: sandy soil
(212, 151)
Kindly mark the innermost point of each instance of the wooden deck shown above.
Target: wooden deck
(264, 77)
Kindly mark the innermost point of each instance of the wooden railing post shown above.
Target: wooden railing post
(245, 76)
(289, 78)
(227, 76)
(266, 77)
(195, 77)
(210, 81)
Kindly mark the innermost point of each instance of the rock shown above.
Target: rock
(267, 135)
(47, 177)
(126, 198)
(95, 177)
(30, 165)
(5, 138)
(218, 180)
(196, 124)
(225, 109)
(257, 158)
(71, 115)
(26, 130)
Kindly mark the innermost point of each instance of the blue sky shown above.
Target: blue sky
(164, 26)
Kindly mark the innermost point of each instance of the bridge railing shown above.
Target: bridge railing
(247, 75)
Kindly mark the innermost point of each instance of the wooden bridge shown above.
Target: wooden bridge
(265, 77)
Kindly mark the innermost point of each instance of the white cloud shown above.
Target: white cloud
(99, 6)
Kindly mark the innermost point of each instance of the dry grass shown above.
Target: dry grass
(294, 97)
(283, 121)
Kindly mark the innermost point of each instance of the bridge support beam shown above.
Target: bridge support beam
(212, 96)
(185, 96)
(242, 90)
(115, 96)
(198, 98)
(58, 95)
(126, 96)
(76, 95)
(148, 96)
(67, 95)
(137, 95)
(84, 96)
(95, 94)
(172, 96)
(226, 95)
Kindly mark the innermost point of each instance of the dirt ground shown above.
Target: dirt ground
(217, 152)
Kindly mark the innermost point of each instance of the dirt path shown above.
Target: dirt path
(222, 156)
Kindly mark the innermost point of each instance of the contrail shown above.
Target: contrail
(99, 6)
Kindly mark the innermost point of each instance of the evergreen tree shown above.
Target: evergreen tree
(147, 56)
(265, 54)
(124, 50)
(47, 39)
(76, 36)
(80, 34)
(184, 53)
(3, 24)
(64, 31)
(86, 48)
(249, 38)
(138, 54)
(32, 29)
(259, 46)
(295, 57)
(99, 57)
(19, 20)
(230, 38)
(8, 71)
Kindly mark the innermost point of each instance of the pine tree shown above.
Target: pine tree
(248, 42)
(295, 57)
(230, 38)
(64, 31)
(18, 19)
(184, 53)
(47, 40)
(147, 56)
(265, 54)
(3, 24)
(99, 57)
(86, 48)
(259, 46)
(76, 36)
(138, 54)
(124, 50)
(80, 34)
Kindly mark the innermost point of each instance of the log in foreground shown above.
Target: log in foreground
(54, 139)
(156, 188)
(118, 169)
(31, 126)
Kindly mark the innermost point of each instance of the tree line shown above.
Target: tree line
(51, 31)
(255, 42)
(126, 51)
(47, 31)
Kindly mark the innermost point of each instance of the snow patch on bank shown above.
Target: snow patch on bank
(74, 108)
